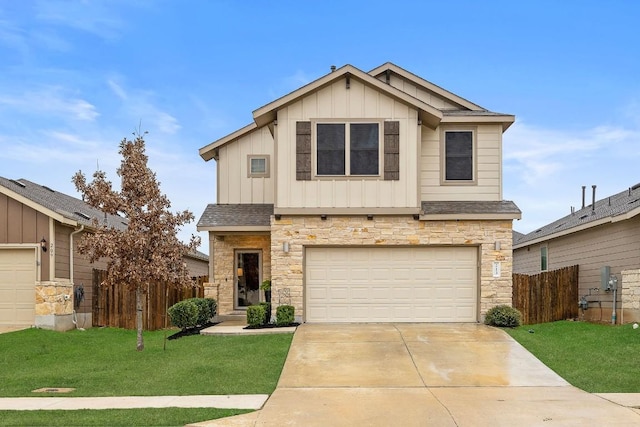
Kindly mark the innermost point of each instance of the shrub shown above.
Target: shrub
(192, 312)
(255, 316)
(204, 310)
(503, 316)
(285, 315)
(184, 314)
(267, 311)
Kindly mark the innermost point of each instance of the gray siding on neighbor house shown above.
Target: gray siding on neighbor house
(614, 244)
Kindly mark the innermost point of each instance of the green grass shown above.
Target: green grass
(104, 362)
(115, 417)
(594, 357)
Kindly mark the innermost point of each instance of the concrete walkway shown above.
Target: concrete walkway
(422, 375)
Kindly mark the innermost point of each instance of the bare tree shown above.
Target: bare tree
(148, 252)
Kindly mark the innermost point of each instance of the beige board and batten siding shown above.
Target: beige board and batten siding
(336, 102)
(488, 165)
(615, 244)
(234, 185)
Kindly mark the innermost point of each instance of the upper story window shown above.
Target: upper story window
(458, 156)
(258, 166)
(348, 149)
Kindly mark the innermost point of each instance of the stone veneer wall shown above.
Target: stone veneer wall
(300, 231)
(630, 297)
(54, 305)
(221, 286)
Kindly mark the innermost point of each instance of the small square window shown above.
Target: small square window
(258, 166)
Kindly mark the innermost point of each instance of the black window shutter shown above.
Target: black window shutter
(392, 151)
(303, 151)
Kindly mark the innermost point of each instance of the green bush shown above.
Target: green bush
(284, 315)
(184, 314)
(204, 310)
(503, 316)
(192, 312)
(267, 311)
(255, 316)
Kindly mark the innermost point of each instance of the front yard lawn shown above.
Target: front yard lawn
(104, 362)
(115, 417)
(594, 357)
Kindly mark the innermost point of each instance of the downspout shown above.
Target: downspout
(74, 316)
(71, 252)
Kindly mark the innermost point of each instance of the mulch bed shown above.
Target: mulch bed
(191, 331)
(272, 325)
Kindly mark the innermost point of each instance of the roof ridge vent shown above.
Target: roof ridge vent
(635, 187)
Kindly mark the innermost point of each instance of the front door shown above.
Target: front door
(248, 269)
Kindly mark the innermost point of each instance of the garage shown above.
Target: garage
(17, 287)
(391, 284)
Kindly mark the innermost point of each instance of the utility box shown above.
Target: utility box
(605, 274)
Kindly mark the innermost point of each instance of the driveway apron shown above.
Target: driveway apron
(423, 375)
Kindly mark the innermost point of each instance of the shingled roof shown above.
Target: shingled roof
(618, 207)
(74, 211)
(255, 216)
(473, 209)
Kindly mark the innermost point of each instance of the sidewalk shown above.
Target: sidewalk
(238, 401)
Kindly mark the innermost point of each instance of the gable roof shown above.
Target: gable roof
(618, 207)
(59, 206)
(428, 114)
(425, 84)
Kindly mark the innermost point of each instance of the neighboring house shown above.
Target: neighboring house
(364, 197)
(604, 234)
(40, 273)
(197, 263)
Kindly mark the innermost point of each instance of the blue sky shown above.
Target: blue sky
(78, 76)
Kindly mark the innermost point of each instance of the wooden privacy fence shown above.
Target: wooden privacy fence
(548, 296)
(116, 306)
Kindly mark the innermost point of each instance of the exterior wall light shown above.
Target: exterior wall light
(285, 247)
(43, 244)
(497, 246)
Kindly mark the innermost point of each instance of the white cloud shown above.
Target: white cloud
(544, 169)
(51, 101)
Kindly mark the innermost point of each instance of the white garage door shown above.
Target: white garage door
(418, 284)
(17, 287)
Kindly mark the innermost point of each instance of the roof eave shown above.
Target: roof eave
(430, 116)
(506, 120)
(470, 216)
(425, 84)
(38, 207)
(208, 152)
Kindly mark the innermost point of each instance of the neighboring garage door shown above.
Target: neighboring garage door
(17, 287)
(387, 284)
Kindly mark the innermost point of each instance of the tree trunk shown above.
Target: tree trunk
(140, 345)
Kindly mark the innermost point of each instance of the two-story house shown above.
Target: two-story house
(364, 197)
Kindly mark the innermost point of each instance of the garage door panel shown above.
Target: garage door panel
(17, 287)
(421, 284)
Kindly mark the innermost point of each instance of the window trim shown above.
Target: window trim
(443, 154)
(267, 171)
(347, 159)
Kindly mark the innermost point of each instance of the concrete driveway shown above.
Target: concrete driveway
(422, 375)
